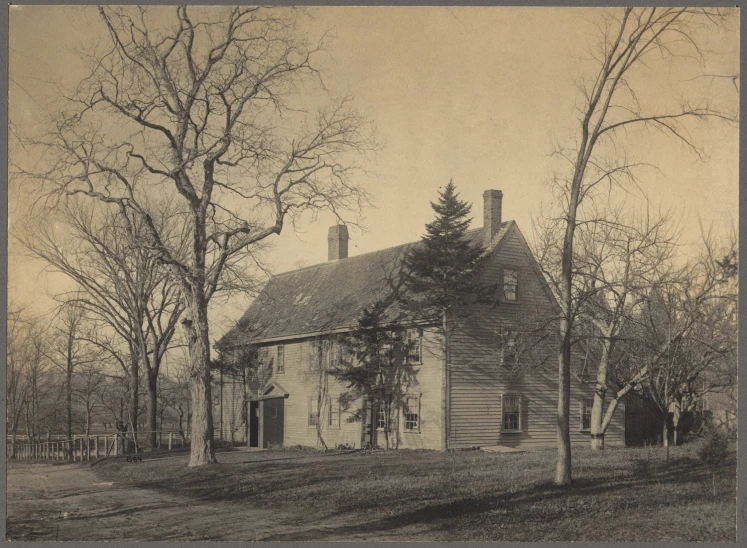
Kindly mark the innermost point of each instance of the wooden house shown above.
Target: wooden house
(499, 389)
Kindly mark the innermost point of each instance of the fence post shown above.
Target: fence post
(88, 448)
(96, 446)
(171, 436)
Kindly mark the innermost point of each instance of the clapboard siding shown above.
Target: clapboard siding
(300, 379)
(232, 419)
(479, 377)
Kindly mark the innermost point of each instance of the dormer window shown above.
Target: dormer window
(510, 285)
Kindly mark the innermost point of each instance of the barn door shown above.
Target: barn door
(273, 422)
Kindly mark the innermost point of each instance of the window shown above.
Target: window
(334, 412)
(412, 414)
(586, 405)
(510, 284)
(381, 418)
(313, 411)
(414, 346)
(511, 413)
(280, 360)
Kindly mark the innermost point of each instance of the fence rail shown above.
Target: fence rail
(95, 446)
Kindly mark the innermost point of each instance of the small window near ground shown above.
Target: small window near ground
(510, 284)
(414, 346)
(586, 406)
(511, 413)
(334, 412)
(412, 413)
(280, 359)
(313, 411)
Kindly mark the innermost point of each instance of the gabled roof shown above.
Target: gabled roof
(327, 297)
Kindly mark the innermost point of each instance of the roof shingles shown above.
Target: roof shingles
(325, 297)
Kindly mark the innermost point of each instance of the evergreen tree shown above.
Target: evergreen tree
(442, 272)
(442, 275)
(372, 365)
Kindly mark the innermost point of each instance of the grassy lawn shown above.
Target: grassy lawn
(618, 494)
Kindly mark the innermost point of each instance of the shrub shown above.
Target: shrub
(714, 448)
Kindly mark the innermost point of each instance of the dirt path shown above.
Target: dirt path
(68, 502)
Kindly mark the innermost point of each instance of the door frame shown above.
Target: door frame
(272, 390)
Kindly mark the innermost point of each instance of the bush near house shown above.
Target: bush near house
(468, 495)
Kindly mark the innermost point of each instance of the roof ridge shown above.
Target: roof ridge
(365, 254)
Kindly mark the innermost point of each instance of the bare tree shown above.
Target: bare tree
(87, 388)
(612, 108)
(32, 398)
(203, 111)
(618, 258)
(122, 284)
(69, 351)
(686, 335)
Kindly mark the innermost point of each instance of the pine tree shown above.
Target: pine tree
(442, 272)
(442, 275)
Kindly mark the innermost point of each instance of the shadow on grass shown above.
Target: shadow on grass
(543, 503)
(386, 493)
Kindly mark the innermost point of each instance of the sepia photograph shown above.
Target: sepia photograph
(372, 273)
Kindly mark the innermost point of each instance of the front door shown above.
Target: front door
(273, 422)
(253, 424)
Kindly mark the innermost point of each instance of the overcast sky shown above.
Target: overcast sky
(472, 94)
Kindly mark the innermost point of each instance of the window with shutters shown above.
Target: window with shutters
(511, 413)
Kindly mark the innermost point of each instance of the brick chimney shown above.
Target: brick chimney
(337, 243)
(492, 214)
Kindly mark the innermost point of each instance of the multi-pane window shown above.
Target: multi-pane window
(280, 359)
(511, 413)
(414, 346)
(510, 284)
(586, 406)
(313, 411)
(334, 412)
(380, 418)
(412, 413)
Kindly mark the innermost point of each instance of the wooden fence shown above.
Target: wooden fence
(82, 448)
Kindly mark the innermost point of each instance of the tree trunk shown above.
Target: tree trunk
(152, 408)
(69, 400)
(597, 408)
(134, 394)
(202, 448)
(563, 466)
(88, 421)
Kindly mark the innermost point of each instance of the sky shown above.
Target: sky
(477, 95)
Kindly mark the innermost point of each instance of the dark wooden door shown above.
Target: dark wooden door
(273, 421)
(253, 424)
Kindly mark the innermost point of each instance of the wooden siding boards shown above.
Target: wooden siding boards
(476, 374)
(478, 378)
(301, 382)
